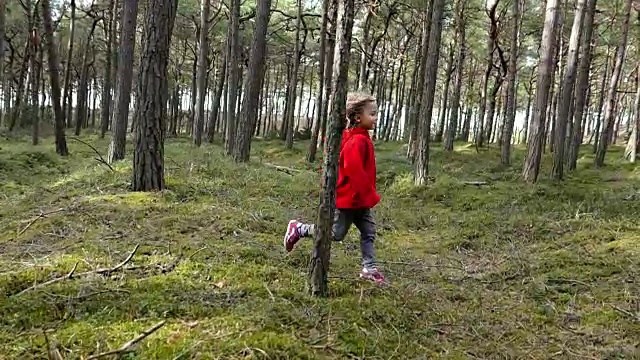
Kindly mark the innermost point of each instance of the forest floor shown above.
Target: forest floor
(503, 270)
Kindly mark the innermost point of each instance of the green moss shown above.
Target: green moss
(475, 271)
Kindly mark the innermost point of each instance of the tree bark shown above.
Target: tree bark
(117, 146)
(201, 96)
(322, 71)
(54, 77)
(457, 88)
(609, 116)
(148, 157)
(531, 166)
(431, 66)
(319, 262)
(107, 82)
(253, 84)
(234, 74)
(510, 111)
(568, 84)
(66, 101)
(582, 86)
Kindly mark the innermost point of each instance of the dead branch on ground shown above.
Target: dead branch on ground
(40, 216)
(284, 169)
(127, 347)
(71, 273)
(99, 158)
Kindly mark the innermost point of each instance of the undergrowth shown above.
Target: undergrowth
(500, 270)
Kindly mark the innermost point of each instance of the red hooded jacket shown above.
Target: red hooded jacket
(356, 186)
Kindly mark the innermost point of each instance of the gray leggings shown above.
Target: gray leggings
(363, 220)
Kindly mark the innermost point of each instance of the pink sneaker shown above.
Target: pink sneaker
(292, 236)
(372, 274)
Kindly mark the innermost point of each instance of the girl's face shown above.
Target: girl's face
(369, 116)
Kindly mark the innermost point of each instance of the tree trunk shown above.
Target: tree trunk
(3, 10)
(148, 156)
(631, 151)
(294, 80)
(319, 262)
(35, 78)
(54, 77)
(107, 82)
(531, 166)
(201, 96)
(568, 84)
(66, 101)
(510, 106)
(431, 66)
(117, 146)
(423, 52)
(234, 74)
(253, 83)
(445, 96)
(215, 106)
(609, 116)
(582, 86)
(83, 85)
(457, 87)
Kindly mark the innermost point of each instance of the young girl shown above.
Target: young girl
(356, 186)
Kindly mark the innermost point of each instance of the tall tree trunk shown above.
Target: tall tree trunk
(609, 116)
(107, 82)
(202, 72)
(234, 74)
(253, 83)
(431, 65)
(3, 10)
(582, 86)
(54, 77)
(568, 84)
(35, 78)
(148, 156)
(215, 105)
(294, 80)
(83, 85)
(323, 69)
(117, 146)
(445, 96)
(412, 150)
(66, 101)
(457, 87)
(531, 166)
(364, 60)
(631, 151)
(319, 262)
(510, 106)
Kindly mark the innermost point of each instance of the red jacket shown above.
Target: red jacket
(356, 186)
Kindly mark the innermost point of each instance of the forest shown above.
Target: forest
(152, 153)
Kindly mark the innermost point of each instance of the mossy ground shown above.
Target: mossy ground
(506, 270)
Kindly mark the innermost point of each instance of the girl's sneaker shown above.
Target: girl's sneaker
(372, 274)
(292, 236)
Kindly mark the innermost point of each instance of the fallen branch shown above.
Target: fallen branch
(127, 347)
(284, 169)
(476, 183)
(71, 273)
(40, 216)
(99, 158)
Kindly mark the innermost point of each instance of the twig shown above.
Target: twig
(633, 317)
(476, 183)
(129, 344)
(99, 158)
(70, 274)
(273, 298)
(40, 216)
(570, 281)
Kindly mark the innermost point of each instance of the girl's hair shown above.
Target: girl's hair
(356, 101)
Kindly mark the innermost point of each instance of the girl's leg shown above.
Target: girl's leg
(365, 222)
(297, 230)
